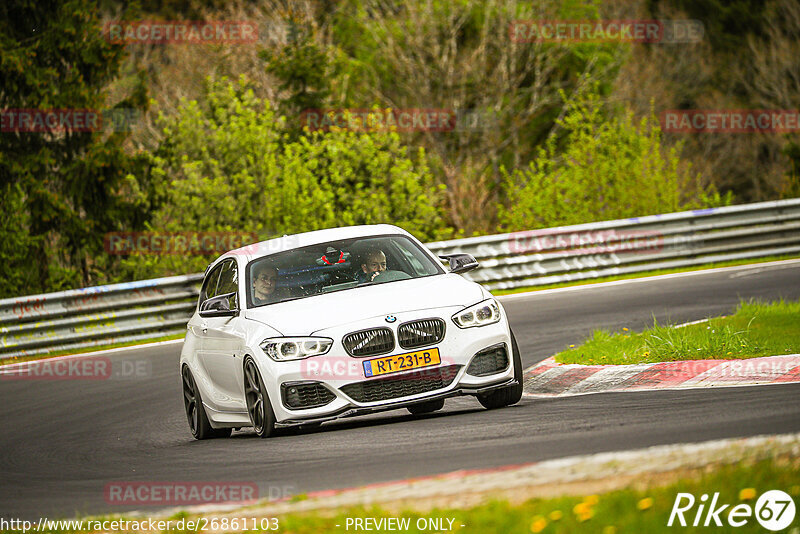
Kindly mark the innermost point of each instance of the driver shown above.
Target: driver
(264, 282)
(374, 264)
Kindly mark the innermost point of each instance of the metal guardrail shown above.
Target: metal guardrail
(101, 315)
(639, 244)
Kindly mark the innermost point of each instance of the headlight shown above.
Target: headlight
(282, 349)
(481, 314)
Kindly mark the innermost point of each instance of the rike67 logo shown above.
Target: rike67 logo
(774, 510)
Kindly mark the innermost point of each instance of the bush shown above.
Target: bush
(603, 170)
(227, 165)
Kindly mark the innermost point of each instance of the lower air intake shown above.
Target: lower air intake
(489, 361)
(304, 395)
(401, 386)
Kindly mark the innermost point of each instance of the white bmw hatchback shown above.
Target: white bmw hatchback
(333, 323)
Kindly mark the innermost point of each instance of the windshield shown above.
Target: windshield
(336, 266)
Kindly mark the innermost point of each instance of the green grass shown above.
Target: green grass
(657, 272)
(646, 509)
(756, 329)
(616, 511)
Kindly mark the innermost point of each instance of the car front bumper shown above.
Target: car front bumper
(338, 369)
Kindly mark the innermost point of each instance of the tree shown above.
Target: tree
(460, 55)
(67, 182)
(226, 164)
(607, 168)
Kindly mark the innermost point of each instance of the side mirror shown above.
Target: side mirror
(460, 263)
(220, 306)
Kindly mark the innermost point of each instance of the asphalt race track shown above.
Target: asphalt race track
(62, 442)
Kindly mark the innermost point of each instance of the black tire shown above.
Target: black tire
(507, 396)
(426, 407)
(195, 413)
(259, 407)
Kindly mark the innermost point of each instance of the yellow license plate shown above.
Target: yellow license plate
(401, 362)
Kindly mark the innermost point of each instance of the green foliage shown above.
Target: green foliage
(228, 161)
(726, 22)
(64, 185)
(792, 187)
(607, 168)
(303, 68)
(459, 55)
(16, 242)
(210, 174)
(358, 178)
(225, 165)
(170, 9)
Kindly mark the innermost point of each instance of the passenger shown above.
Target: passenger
(264, 284)
(374, 264)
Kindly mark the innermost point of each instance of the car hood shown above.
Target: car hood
(305, 316)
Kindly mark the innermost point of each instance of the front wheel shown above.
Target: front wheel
(508, 395)
(258, 406)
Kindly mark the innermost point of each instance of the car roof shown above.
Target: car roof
(289, 242)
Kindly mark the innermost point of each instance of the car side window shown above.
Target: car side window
(210, 284)
(228, 278)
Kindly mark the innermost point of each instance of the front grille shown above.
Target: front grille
(420, 333)
(300, 395)
(369, 342)
(489, 361)
(403, 385)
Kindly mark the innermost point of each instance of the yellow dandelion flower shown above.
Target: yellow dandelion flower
(538, 524)
(572, 346)
(586, 515)
(555, 515)
(624, 329)
(747, 494)
(645, 503)
(592, 499)
(582, 508)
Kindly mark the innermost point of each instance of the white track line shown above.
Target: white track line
(541, 396)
